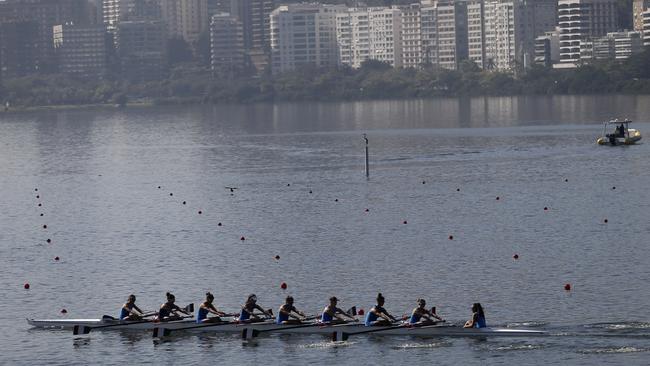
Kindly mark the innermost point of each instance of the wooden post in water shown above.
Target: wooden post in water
(367, 165)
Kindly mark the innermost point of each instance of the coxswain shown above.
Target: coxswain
(169, 311)
(207, 308)
(478, 317)
(130, 311)
(287, 311)
(421, 315)
(378, 316)
(332, 314)
(249, 307)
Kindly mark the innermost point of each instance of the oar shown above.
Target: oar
(343, 336)
(250, 333)
(84, 329)
(159, 332)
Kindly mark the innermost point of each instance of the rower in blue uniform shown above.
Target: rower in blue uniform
(422, 316)
(249, 307)
(169, 311)
(331, 313)
(286, 311)
(207, 308)
(130, 311)
(478, 317)
(378, 316)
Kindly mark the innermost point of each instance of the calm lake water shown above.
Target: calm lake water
(439, 165)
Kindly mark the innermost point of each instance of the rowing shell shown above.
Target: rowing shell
(270, 326)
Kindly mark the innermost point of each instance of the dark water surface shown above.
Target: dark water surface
(116, 233)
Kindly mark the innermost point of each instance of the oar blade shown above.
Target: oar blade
(81, 329)
(352, 311)
(340, 336)
(189, 308)
(161, 332)
(249, 333)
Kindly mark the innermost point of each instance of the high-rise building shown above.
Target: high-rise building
(646, 28)
(142, 49)
(369, 34)
(475, 32)
(218, 7)
(228, 56)
(511, 27)
(429, 33)
(18, 48)
(452, 33)
(186, 19)
(547, 49)
(411, 35)
(44, 14)
(255, 17)
(81, 49)
(581, 20)
(613, 46)
(304, 34)
(638, 8)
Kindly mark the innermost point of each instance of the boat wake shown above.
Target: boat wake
(407, 346)
(607, 350)
(328, 344)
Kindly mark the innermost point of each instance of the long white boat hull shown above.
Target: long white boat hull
(268, 327)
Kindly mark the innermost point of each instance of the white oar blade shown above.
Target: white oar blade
(161, 332)
(81, 329)
(339, 336)
(249, 333)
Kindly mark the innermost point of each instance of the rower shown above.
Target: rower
(478, 317)
(286, 311)
(207, 308)
(377, 312)
(249, 307)
(130, 311)
(421, 312)
(168, 311)
(331, 313)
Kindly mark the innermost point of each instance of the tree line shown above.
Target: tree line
(374, 80)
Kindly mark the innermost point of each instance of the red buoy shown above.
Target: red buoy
(35, 189)
(200, 212)
(41, 214)
(171, 194)
(336, 200)
(44, 226)
(56, 258)
(219, 224)
(451, 237)
(566, 180)
(367, 210)
(277, 257)
(457, 189)
(64, 311)
(49, 240)
(613, 187)
(158, 187)
(283, 286)
(605, 221)
(545, 208)
(26, 286)
(567, 287)
(405, 222)
(498, 198)
(242, 238)
(184, 202)
(516, 256)
(37, 196)
(361, 312)
(39, 205)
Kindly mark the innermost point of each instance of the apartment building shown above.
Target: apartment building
(186, 19)
(476, 33)
(411, 36)
(369, 34)
(429, 33)
(547, 49)
(304, 34)
(582, 20)
(255, 18)
(81, 50)
(228, 55)
(638, 8)
(142, 49)
(646, 27)
(451, 33)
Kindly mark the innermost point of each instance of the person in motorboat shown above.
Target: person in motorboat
(130, 311)
(422, 316)
(169, 310)
(332, 314)
(478, 317)
(288, 311)
(621, 130)
(247, 310)
(208, 308)
(378, 316)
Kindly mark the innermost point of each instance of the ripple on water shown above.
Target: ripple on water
(518, 347)
(620, 325)
(533, 324)
(326, 345)
(423, 345)
(607, 350)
